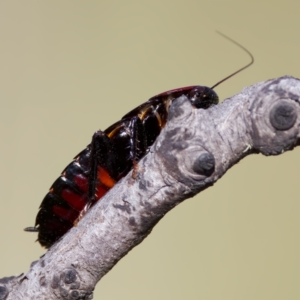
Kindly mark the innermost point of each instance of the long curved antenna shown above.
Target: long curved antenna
(243, 68)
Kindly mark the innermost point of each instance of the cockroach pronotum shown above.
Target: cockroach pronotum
(109, 157)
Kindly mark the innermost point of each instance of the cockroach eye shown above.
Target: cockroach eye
(203, 97)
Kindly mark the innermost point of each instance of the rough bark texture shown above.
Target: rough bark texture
(194, 150)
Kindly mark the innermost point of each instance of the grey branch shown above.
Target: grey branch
(192, 152)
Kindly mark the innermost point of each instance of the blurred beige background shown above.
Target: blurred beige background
(68, 68)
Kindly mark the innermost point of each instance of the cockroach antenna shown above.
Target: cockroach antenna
(239, 70)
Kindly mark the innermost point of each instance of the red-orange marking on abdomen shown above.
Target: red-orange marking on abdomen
(66, 214)
(82, 182)
(75, 201)
(100, 192)
(105, 178)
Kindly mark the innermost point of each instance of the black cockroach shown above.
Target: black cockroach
(110, 156)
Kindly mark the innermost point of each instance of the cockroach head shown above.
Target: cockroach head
(203, 97)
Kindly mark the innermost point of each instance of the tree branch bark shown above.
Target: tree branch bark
(193, 151)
